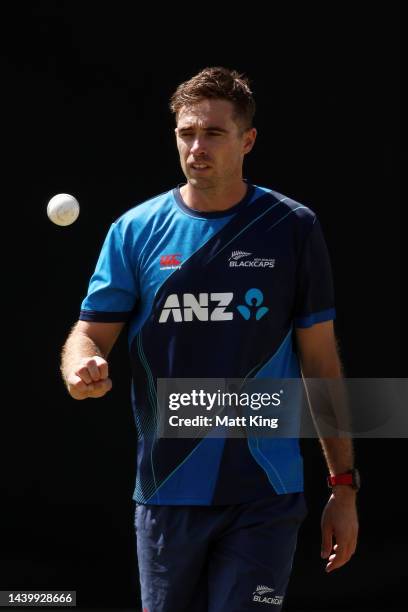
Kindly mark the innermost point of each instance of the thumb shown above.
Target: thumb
(327, 543)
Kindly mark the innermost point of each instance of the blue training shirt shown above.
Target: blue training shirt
(212, 295)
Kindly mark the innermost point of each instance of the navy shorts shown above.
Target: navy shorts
(217, 558)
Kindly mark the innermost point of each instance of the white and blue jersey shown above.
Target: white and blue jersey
(212, 295)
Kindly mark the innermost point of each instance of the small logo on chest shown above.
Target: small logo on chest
(170, 262)
(243, 259)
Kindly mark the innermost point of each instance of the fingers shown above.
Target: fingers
(100, 388)
(79, 390)
(90, 379)
(340, 557)
(339, 532)
(342, 551)
(92, 369)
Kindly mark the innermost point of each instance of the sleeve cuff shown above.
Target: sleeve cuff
(104, 317)
(315, 317)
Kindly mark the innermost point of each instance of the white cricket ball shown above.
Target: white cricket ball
(63, 209)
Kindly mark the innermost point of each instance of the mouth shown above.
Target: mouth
(199, 167)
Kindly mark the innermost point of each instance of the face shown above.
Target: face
(211, 144)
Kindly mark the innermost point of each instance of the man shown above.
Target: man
(216, 519)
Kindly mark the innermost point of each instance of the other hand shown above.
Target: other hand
(339, 527)
(89, 379)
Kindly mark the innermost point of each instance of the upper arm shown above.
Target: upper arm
(318, 350)
(113, 289)
(104, 335)
(314, 301)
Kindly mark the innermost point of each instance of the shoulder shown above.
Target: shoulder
(299, 209)
(297, 212)
(143, 211)
(143, 214)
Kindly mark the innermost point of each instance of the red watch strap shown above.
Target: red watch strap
(340, 479)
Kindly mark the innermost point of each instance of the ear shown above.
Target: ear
(249, 140)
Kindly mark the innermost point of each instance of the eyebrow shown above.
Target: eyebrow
(213, 128)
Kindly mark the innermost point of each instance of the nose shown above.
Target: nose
(197, 146)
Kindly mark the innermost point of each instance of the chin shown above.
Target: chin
(200, 183)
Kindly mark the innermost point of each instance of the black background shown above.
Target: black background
(87, 89)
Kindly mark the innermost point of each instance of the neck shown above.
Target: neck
(213, 199)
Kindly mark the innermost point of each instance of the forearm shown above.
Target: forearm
(329, 407)
(326, 392)
(330, 410)
(77, 347)
(338, 453)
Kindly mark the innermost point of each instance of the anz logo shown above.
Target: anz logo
(253, 308)
(212, 307)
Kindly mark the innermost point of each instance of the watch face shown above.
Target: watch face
(356, 479)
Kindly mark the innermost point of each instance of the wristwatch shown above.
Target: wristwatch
(350, 478)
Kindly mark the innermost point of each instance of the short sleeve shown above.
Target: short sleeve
(112, 291)
(314, 291)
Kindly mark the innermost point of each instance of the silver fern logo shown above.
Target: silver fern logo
(261, 589)
(236, 255)
(265, 595)
(244, 259)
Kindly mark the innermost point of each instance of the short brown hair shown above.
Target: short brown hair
(219, 83)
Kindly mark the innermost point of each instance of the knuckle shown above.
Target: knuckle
(100, 362)
(81, 371)
(79, 385)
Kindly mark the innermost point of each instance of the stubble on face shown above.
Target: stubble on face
(207, 134)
